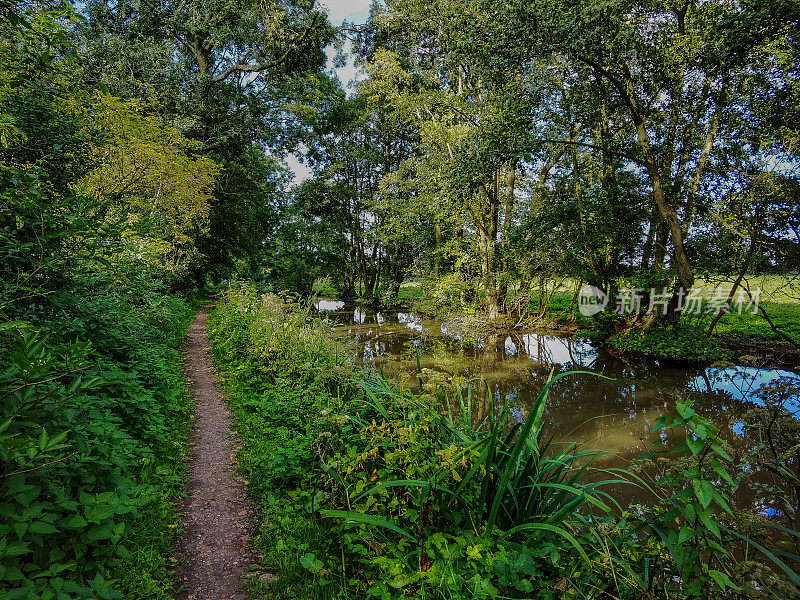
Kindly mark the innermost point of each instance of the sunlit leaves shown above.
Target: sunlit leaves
(149, 175)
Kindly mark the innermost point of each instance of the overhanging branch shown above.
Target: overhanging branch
(569, 142)
(258, 68)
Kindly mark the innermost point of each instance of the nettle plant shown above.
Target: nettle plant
(57, 451)
(695, 520)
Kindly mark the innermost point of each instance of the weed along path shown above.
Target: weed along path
(218, 520)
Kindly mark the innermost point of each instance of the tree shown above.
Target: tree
(674, 80)
(357, 145)
(149, 175)
(228, 75)
(452, 72)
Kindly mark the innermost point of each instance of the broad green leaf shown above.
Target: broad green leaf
(717, 466)
(721, 451)
(686, 533)
(723, 581)
(553, 529)
(694, 445)
(704, 491)
(706, 519)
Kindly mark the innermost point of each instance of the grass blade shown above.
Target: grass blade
(349, 515)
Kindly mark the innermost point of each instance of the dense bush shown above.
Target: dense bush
(94, 407)
(93, 437)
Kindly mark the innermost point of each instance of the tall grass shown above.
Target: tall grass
(526, 486)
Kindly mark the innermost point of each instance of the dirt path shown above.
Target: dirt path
(218, 519)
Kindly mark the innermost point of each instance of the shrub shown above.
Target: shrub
(368, 491)
(92, 444)
(671, 342)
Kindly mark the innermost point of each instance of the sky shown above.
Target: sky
(352, 11)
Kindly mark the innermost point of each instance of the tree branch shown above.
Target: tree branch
(52, 462)
(617, 83)
(258, 68)
(568, 142)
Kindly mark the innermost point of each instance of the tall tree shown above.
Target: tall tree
(452, 71)
(674, 80)
(229, 75)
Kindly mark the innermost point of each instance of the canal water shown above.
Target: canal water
(614, 413)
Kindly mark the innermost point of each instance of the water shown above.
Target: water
(614, 413)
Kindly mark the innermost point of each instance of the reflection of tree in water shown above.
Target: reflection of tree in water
(615, 414)
(749, 384)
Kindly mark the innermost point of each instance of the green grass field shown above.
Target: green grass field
(410, 289)
(779, 296)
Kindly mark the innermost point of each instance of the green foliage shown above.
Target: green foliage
(350, 443)
(699, 489)
(695, 518)
(149, 177)
(348, 440)
(228, 75)
(671, 342)
(94, 407)
(425, 507)
(448, 294)
(91, 452)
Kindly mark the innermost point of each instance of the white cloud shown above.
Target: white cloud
(301, 171)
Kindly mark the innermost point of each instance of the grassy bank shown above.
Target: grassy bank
(367, 491)
(93, 439)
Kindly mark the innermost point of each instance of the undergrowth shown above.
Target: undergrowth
(681, 342)
(93, 439)
(368, 491)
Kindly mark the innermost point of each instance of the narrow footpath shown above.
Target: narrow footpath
(217, 518)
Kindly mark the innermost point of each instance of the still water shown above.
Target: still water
(614, 413)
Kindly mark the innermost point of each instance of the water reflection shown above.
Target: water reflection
(550, 350)
(747, 384)
(410, 320)
(614, 413)
(328, 305)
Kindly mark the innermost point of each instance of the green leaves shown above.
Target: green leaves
(700, 487)
(720, 470)
(685, 411)
(684, 342)
(695, 445)
(722, 580)
(311, 563)
(75, 459)
(357, 517)
(704, 491)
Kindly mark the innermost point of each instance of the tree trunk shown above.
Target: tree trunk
(742, 272)
(509, 207)
(647, 251)
(670, 217)
(661, 241)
